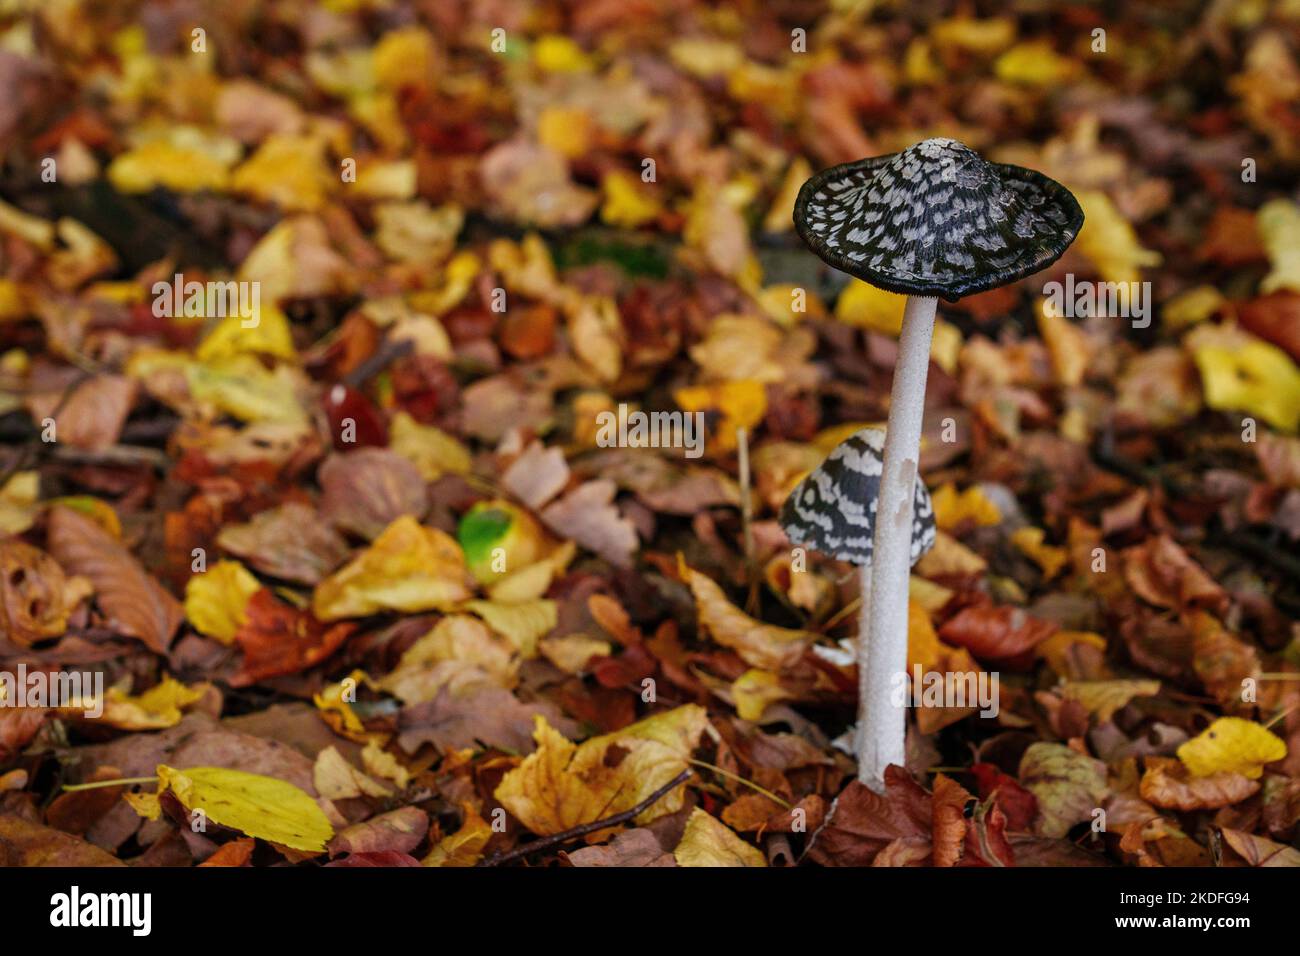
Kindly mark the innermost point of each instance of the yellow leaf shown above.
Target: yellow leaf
(1067, 346)
(567, 130)
(336, 708)
(407, 568)
(460, 649)
(866, 306)
(571, 652)
(465, 846)
(159, 163)
(394, 179)
(945, 346)
(1104, 697)
(259, 806)
(780, 303)
(927, 594)
(706, 841)
(242, 387)
(627, 204)
(1109, 241)
(155, 709)
(1050, 559)
(563, 785)
(952, 508)
(760, 645)
(754, 690)
(1191, 307)
(976, 36)
(780, 217)
(949, 556)
(407, 57)
(432, 451)
(522, 624)
(527, 584)
(267, 333)
(18, 498)
(923, 644)
(380, 763)
(287, 170)
(556, 53)
(215, 600)
(1242, 373)
(741, 404)
(1231, 745)
(1278, 222)
(1034, 63)
(1056, 649)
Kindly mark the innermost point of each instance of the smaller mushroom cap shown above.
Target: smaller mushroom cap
(833, 510)
(936, 219)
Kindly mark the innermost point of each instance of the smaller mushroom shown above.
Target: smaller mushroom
(833, 510)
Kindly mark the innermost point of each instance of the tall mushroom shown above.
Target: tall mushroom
(833, 510)
(934, 220)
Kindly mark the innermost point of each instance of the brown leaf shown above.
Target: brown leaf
(134, 602)
(1167, 784)
(1258, 851)
(1163, 574)
(485, 715)
(947, 812)
(23, 843)
(36, 597)
(588, 516)
(1274, 318)
(18, 725)
(398, 831)
(862, 823)
(290, 541)
(76, 811)
(364, 491)
(637, 847)
(92, 415)
(537, 476)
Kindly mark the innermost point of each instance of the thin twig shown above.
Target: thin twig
(576, 832)
(388, 352)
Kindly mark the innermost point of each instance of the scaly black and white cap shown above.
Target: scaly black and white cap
(936, 219)
(833, 510)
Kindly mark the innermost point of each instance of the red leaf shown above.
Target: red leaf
(279, 639)
(1005, 635)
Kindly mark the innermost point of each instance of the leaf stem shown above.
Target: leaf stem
(749, 783)
(119, 782)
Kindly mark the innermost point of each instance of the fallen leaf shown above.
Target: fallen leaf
(134, 601)
(1232, 745)
(406, 568)
(708, 842)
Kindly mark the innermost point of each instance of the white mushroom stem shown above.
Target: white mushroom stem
(883, 655)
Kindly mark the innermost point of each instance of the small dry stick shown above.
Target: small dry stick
(575, 832)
